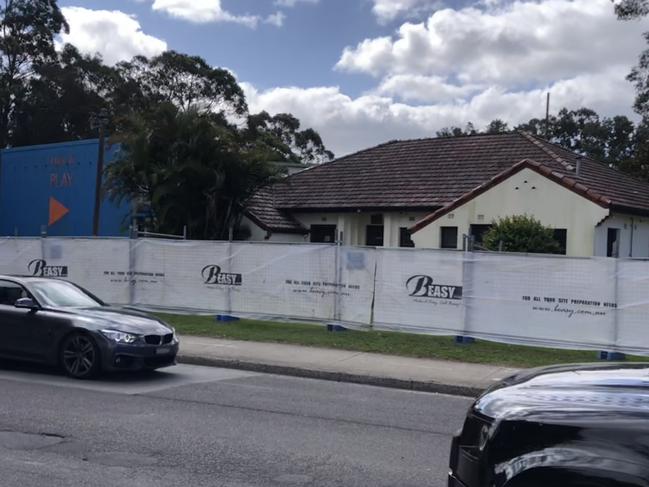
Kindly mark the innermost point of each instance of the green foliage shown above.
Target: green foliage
(610, 140)
(639, 76)
(186, 81)
(191, 170)
(631, 9)
(27, 31)
(281, 136)
(521, 233)
(497, 126)
(454, 131)
(60, 98)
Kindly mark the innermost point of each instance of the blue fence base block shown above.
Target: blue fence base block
(612, 356)
(461, 340)
(226, 318)
(332, 327)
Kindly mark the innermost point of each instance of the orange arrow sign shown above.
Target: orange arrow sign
(57, 211)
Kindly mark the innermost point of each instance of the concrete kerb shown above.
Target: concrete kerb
(410, 385)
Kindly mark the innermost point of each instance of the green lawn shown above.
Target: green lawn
(392, 343)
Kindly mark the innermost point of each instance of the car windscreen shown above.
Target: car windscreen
(62, 295)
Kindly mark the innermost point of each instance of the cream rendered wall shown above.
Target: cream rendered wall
(634, 235)
(353, 225)
(527, 192)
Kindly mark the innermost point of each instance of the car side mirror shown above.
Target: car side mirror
(26, 303)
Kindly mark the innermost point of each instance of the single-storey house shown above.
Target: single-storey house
(443, 193)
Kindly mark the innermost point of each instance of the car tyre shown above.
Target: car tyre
(79, 356)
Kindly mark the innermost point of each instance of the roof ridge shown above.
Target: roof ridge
(538, 143)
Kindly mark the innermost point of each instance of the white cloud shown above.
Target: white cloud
(517, 43)
(203, 11)
(428, 89)
(387, 10)
(292, 3)
(348, 124)
(276, 19)
(113, 34)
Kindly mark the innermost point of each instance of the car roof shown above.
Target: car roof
(24, 279)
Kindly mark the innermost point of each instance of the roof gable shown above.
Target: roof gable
(564, 181)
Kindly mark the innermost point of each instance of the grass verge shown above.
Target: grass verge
(392, 343)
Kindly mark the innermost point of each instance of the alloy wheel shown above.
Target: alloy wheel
(79, 356)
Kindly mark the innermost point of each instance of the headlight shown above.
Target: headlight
(175, 338)
(119, 336)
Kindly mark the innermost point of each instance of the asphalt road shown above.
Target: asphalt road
(200, 426)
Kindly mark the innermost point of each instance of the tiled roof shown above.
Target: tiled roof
(433, 173)
(263, 212)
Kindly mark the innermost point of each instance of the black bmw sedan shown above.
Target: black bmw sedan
(59, 323)
(563, 426)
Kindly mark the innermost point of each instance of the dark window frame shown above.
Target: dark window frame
(444, 240)
(611, 250)
(368, 241)
(561, 236)
(405, 238)
(322, 230)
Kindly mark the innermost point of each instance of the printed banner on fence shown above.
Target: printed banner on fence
(419, 291)
(594, 303)
(249, 278)
(544, 300)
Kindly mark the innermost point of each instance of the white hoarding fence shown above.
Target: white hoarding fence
(597, 303)
(419, 291)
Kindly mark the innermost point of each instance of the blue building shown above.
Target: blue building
(51, 188)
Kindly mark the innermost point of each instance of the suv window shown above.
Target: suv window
(10, 292)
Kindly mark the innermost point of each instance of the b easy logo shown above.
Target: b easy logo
(39, 268)
(212, 275)
(423, 286)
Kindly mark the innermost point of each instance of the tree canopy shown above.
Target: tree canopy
(27, 31)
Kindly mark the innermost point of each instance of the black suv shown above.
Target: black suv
(564, 426)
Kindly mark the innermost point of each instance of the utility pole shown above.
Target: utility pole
(99, 121)
(547, 118)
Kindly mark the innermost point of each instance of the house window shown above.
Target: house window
(374, 236)
(613, 242)
(561, 236)
(376, 219)
(323, 233)
(477, 232)
(405, 239)
(448, 237)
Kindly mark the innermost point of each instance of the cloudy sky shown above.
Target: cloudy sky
(362, 72)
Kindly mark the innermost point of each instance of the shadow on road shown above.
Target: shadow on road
(130, 377)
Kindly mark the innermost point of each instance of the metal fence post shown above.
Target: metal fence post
(132, 264)
(467, 284)
(615, 331)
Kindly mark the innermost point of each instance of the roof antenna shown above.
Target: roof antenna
(578, 168)
(547, 118)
